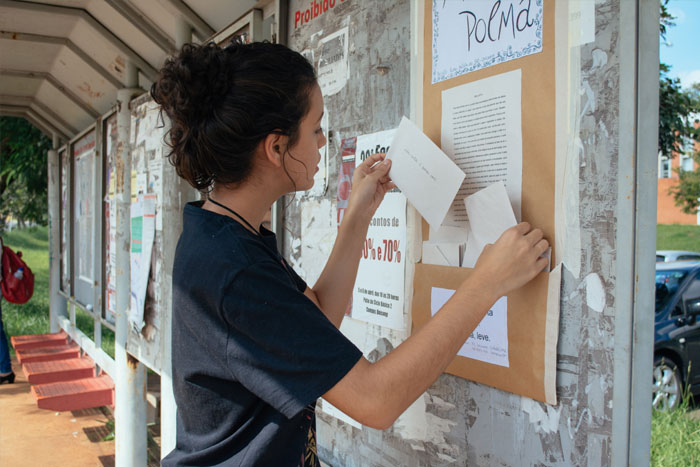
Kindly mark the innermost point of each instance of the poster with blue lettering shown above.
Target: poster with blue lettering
(472, 34)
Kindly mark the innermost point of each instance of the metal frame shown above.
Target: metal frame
(201, 28)
(253, 20)
(634, 339)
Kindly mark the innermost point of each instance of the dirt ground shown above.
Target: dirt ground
(33, 436)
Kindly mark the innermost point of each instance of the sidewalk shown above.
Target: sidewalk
(33, 436)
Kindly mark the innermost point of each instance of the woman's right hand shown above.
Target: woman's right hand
(513, 261)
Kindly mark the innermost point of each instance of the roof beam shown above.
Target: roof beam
(149, 71)
(143, 24)
(55, 40)
(77, 100)
(41, 109)
(203, 30)
(37, 120)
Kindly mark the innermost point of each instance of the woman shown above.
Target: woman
(253, 345)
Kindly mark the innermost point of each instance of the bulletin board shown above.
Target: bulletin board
(531, 337)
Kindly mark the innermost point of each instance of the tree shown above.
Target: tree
(23, 172)
(678, 111)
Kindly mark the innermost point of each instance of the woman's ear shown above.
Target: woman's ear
(274, 146)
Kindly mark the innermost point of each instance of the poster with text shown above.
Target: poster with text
(472, 34)
(378, 295)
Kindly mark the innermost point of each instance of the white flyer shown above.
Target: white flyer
(378, 294)
(143, 229)
(482, 133)
(489, 341)
(428, 178)
(472, 34)
(333, 71)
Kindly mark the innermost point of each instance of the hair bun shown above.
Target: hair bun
(192, 84)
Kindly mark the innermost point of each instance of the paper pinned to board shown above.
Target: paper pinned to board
(423, 173)
(441, 254)
(489, 341)
(490, 214)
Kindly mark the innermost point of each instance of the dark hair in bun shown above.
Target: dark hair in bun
(223, 102)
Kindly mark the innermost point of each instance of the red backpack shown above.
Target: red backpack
(17, 279)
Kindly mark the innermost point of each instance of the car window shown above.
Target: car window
(667, 283)
(660, 258)
(693, 291)
(688, 257)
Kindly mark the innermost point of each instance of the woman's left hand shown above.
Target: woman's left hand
(370, 182)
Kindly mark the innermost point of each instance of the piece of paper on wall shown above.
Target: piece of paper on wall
(155, 185)
(333, 68)
(378, 294)
(441, 254)
(321, 177)
(482, 133)
(490, 215)
(142, 236)
(581, 22)
(472, 34)
(423, 173)
(489, 341)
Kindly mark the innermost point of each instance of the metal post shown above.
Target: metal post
(183, 33)
(130, 381)
(177, 192)
(57, 303)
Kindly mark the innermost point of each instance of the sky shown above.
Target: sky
(684, 38)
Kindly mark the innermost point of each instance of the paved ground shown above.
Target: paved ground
(33, 436)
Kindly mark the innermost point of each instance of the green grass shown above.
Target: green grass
(675, 437)
(33, 316)
(678, 237)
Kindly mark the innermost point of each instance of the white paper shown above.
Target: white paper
(332, 410)
(423, 173)
(482, 133)
(448, 234)
(441, 254)
(472, 251)
(142, 211)
(490, 212)
(333, 69)
(321, 177)
(378, 293)
(581, 22)
(472, 34)
(490, 215)
(372, 144)
(489, 341)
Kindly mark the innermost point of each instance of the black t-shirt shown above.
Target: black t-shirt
(250, 352)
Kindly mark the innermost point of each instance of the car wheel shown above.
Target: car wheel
(667, 384)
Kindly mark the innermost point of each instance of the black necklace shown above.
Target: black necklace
(275, 253)
(238, 216)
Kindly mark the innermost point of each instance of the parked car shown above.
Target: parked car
(676, 255)
(676, 332)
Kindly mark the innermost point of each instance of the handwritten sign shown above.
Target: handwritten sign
(472, 34)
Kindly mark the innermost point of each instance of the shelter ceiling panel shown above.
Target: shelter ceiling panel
(161, 16)
(127, 32)
(220, 13)
(27, 56)
(100, 49)
(64, 108)
(17, 19)
(18, 86)
(85, 82)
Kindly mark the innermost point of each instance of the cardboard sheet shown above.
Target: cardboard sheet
(533, 311)
(527, 323)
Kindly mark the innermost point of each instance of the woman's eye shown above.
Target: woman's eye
(320, 130)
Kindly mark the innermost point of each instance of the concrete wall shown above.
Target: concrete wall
(457, 422)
